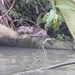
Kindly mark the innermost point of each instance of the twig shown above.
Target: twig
(8, 10)
(47, 68)
(51, 67)
(36, 8)
(17, 20)
(23, 21)
(62, 29)
(61, 43)
(29, 21)
(33, 63)
(55, 40)
(42, 7)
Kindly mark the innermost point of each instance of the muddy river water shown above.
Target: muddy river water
(14, 60)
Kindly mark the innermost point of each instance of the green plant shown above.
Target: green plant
(26, 9)
(52, 18)
(68, 14)
(60, 36)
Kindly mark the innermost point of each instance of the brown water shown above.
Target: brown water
(15, 60)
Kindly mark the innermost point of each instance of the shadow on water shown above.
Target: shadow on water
(15, 60)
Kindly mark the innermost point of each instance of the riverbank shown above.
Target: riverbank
(36, 42)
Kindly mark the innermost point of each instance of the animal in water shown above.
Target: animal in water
(34, 32)
(6, 32)
(10, 35)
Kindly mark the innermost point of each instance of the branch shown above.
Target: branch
(47, 68)
(51, 67)
(8, 10)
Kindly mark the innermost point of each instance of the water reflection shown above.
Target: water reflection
(14, 60)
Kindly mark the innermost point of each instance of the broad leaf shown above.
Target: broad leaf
(63, 6)
(50, 16)
(68, 15)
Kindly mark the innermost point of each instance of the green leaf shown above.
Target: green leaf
(55, 21)
(14, 13)
(62, 6)
(47, 26)
(39, 19)
(17, 7)
(45, 18)
(3, 10)
(68, 14)
(50, 16)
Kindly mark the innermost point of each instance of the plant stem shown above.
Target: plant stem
(53, 5)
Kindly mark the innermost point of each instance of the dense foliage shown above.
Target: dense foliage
(39, 13)
(28, 9)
